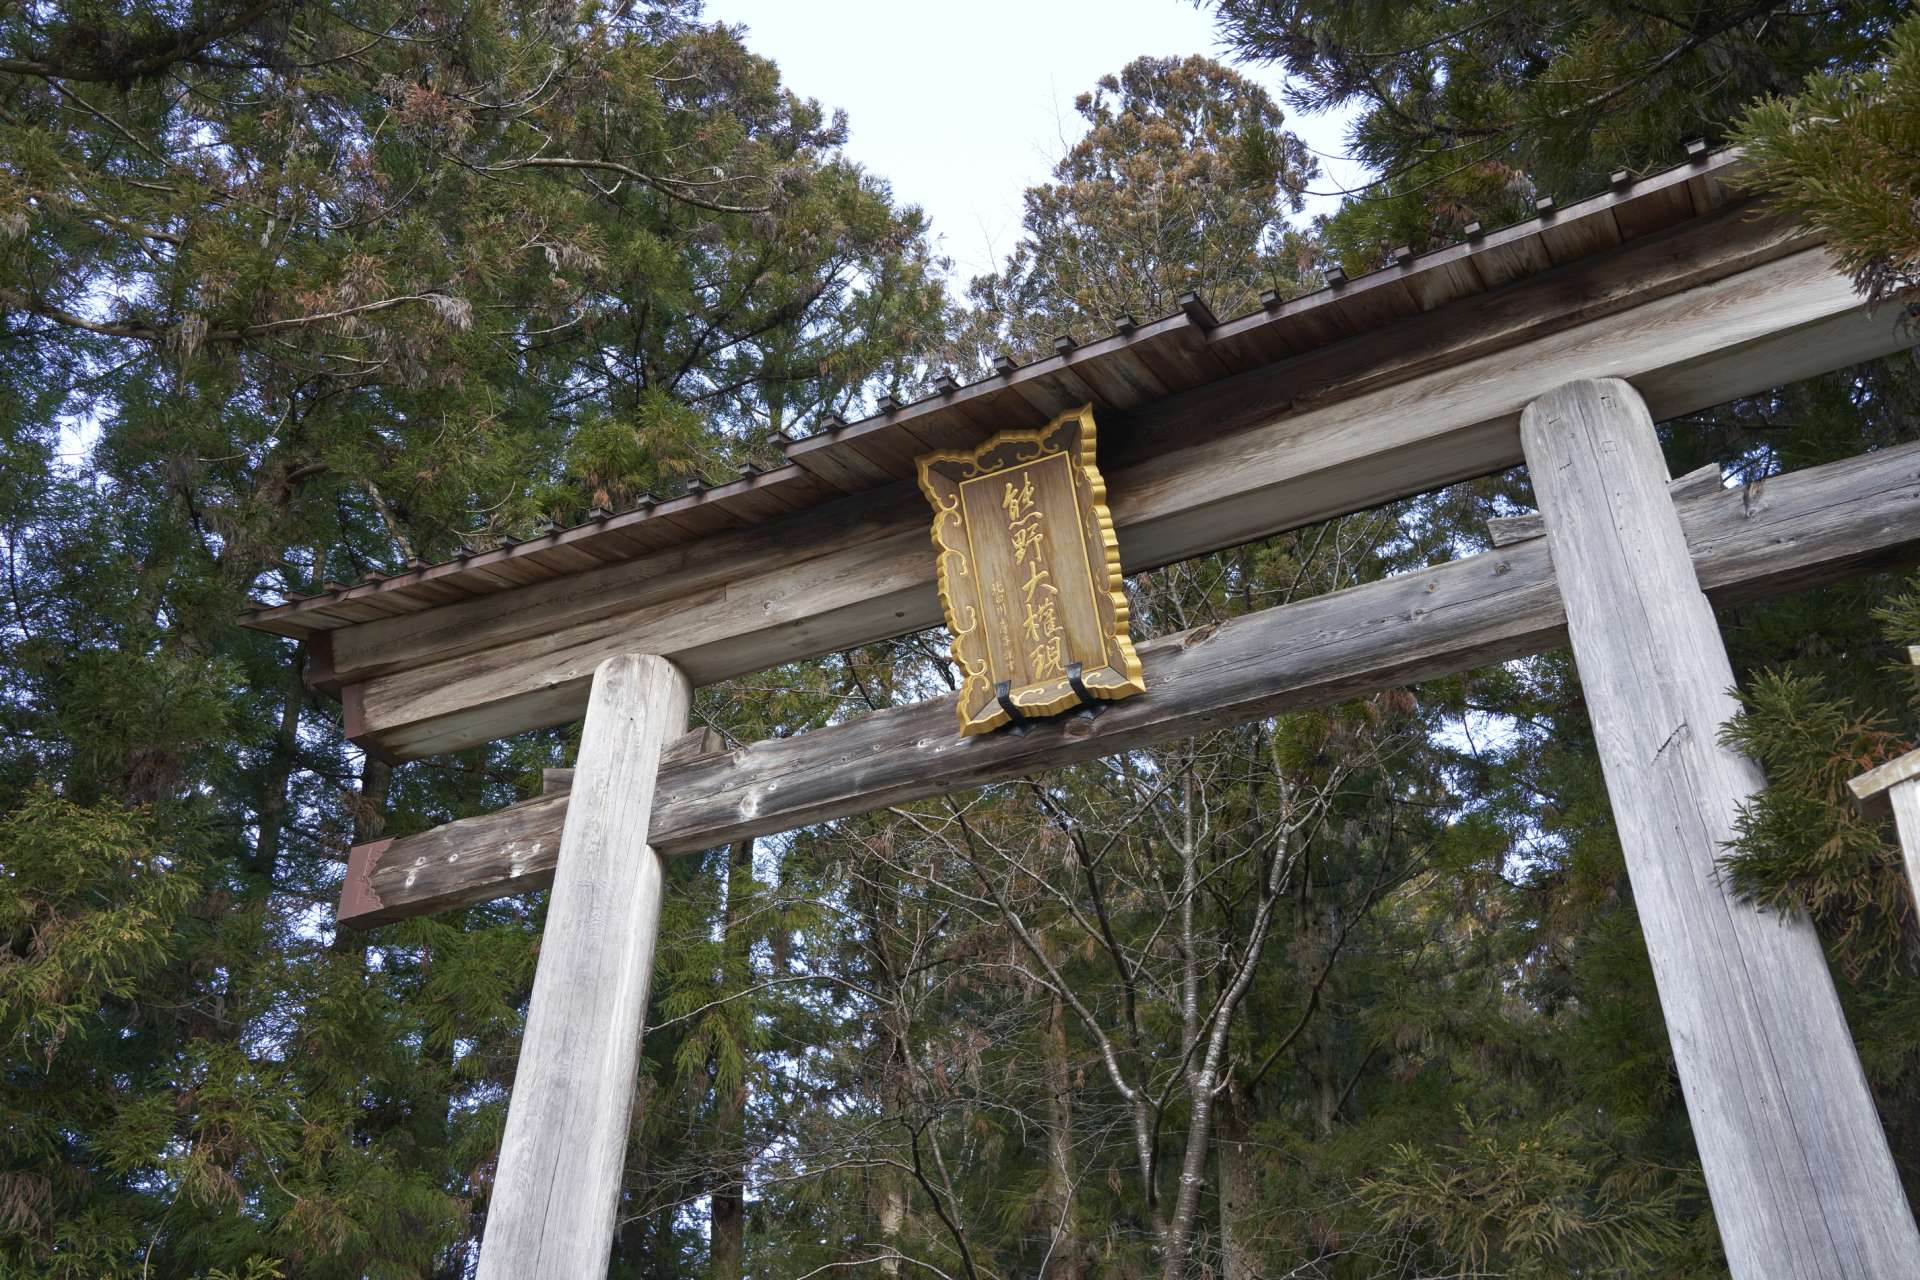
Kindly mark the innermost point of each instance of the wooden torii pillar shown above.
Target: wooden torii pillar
(1797, 1164)
(557, 1187)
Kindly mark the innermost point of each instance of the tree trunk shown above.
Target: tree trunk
(273, 791)
(1311, 943)
(1316, 942)
(728, 1220)
(1064, 1253)
(887, 1186)
(1239, 1259)
(890, 1216)
(1176, 1239)
(370, 806)
(369, 820)
(1312, 939)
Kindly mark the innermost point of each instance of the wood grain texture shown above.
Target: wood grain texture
(1670, 264)
(1139, 362)
(551, 1214)
(1904, 799)
(518, 663)
(1788, 532)
(1504, 531)
(690, 745)
(1797, 1164)
(1870, 788)
(1461, 420)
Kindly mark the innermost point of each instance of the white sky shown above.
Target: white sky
(964, 106)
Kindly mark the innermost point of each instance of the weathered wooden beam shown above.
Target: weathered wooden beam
(1507, 530)
(1797, 1164)
(1781, 534)
(1433, 400)
(357, 898)
(1893, 789)
(704, 741)
(1871, 789)
(1903, 798)
(557, 1188)
(1140, 361)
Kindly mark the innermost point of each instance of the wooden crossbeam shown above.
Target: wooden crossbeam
(1142, 360)
(1507, 530)
(1872, 790)
(1725, 308)
(1782, 534)
(1893, 789)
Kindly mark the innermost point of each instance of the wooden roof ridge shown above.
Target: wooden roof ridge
(1138, 361)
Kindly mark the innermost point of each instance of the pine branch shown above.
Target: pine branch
(188, 45)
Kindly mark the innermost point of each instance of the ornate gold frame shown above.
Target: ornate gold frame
(1072, 433)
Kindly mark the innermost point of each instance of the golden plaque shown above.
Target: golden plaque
(1029, 574)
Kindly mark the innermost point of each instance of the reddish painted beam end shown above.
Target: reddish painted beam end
(360, 906)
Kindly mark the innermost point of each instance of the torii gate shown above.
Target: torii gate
(1556, 342)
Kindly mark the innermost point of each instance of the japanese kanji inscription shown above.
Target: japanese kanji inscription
(1029, 574)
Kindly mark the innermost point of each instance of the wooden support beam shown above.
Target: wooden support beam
(1507, 530)
(1434, 400)
(1904, 799)
(1873, 790)
(358, 900)
(1894, 788)
(691, 745)
(1797, 1164)
(1784, 533)
(551, 1214)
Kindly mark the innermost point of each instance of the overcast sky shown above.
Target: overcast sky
(963, 106)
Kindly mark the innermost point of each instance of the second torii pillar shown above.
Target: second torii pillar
(1796, 1160)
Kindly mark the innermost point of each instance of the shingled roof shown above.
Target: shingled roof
(1138, 362)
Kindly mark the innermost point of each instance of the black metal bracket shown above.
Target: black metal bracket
(1018, 722)
(1088, 703)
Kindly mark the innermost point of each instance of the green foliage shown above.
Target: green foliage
(1524, 1202)
(1838, 156)
(291, 293)
(255, 1269)
(1468, 110)
(1183, 181)
(1841, 697)
(91, 910)
(298, 293)
(1802, 843)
